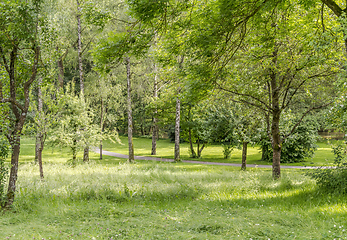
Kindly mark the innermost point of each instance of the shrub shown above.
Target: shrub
(333, 179)
(297, 147)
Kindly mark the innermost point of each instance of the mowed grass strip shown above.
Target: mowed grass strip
(150, 200)
(214, 153)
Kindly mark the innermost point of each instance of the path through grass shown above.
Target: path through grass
(169, 201)
(213, 153)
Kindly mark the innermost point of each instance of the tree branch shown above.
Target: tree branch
(304, 115)
(246, 95)
(10, 100)
(333, 6)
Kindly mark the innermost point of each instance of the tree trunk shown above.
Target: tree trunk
(155, 125)
(80, 67)
(79, 46)
(130, 115)
(14, 170)
(37, 147)
(177, 130)
(244, 155)
(39, 157)
(60, 64)
(200, 149)
(19, 111)
(74, 151)
(40, 131)
(101, 125)
(276, 145)
(192, 151)
(264, 152)
(275, 126)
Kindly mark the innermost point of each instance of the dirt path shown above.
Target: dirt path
(118, 155)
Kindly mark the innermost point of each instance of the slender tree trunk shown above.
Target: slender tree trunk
(264, 152)
(101, 124)
(60, 64)
(244, 155)
(275, 126)
(14, 170)
(20, 113)
(276, 145)
(177, 130)
(39, 157)
(79, 46)
(80, 67)
(130, 115)
(200, 149)
(37, 147)
(40, 132)
(192, 151)
(74, 151)
(155, 125)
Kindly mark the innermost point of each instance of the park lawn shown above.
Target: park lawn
(213, 153)
(151, 200)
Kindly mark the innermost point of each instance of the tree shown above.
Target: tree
(75, 128)
(280, 60)
(20, 25)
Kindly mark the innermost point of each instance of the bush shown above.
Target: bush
(297, 147)
(333, 179)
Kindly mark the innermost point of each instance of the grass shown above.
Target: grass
(110, 199)
(214, 153)
(169, 201)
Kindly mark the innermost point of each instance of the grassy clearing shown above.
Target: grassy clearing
(213, 153)
(169, 201)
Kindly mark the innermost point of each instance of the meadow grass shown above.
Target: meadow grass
(150, 200)
(111, 199)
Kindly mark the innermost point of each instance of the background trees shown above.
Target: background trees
(215, 71)
(20, 51)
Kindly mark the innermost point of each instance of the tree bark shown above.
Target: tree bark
(130, 115)
(275, 126)
(155, 125)
(80, 67)
(177, 129)
(79, 46)
(192, 151)
(244, 155)
(14, 170)
(74, 151)
(60, 64)
(101, 124)
(20, 112)
(200, 149)
(40, 132)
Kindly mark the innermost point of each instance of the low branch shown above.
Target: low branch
(246, 95)
(10, 100)
(333, 6)
(304, 115)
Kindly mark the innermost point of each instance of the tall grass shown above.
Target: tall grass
(169, 201)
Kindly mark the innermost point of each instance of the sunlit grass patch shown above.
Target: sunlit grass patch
(152, 200)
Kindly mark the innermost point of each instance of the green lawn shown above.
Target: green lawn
(213, 153)
(169, 201)
(111, 199)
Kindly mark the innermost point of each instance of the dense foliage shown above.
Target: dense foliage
(333, 178)
(299, 147)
